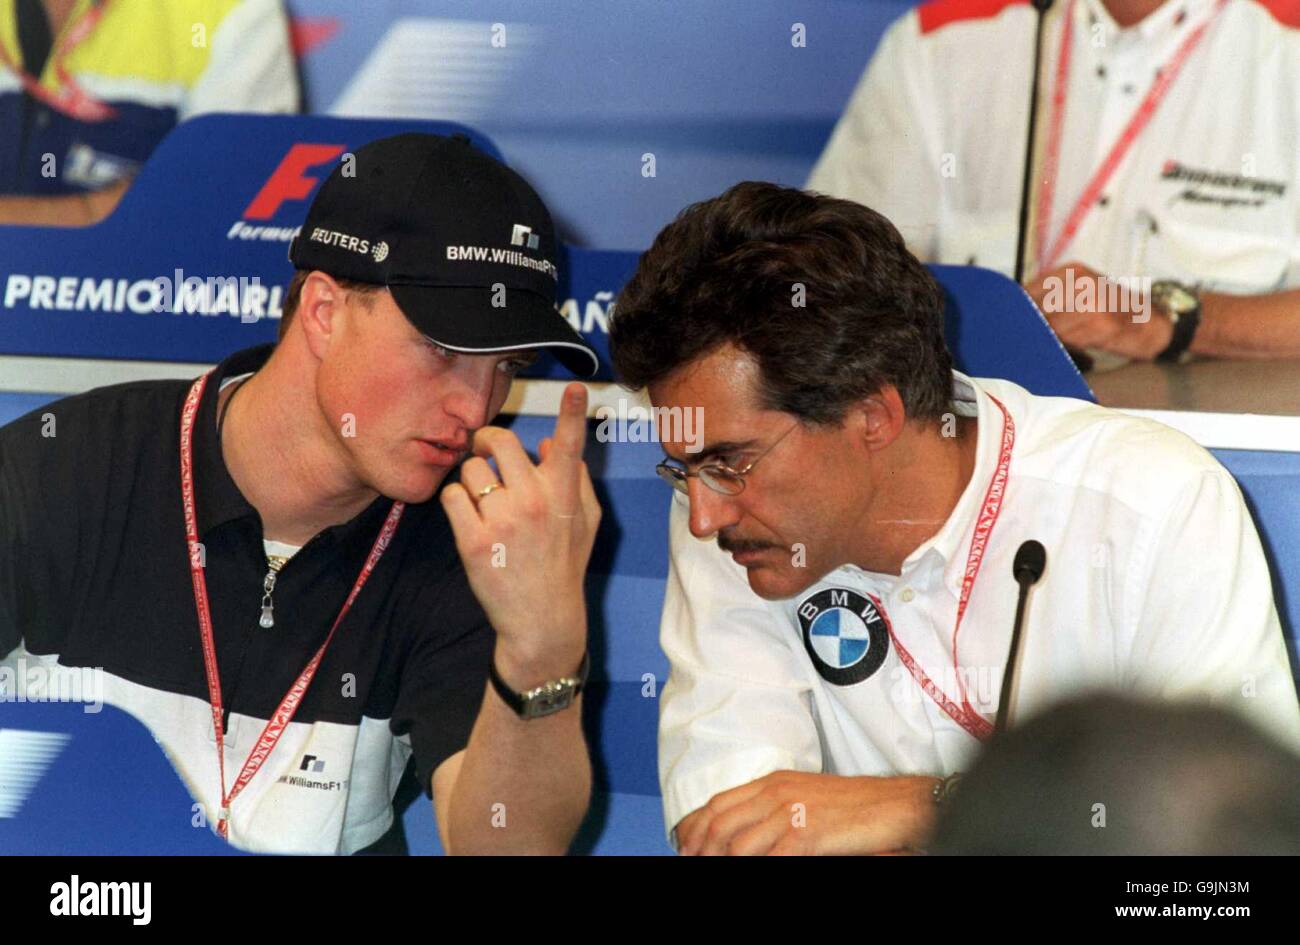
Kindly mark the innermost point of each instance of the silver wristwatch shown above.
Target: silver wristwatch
(552, 696)
(1182, 304)
(945, 790)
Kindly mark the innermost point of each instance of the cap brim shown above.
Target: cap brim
(464, 319)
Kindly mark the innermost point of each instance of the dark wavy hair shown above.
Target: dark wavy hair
(734, 269)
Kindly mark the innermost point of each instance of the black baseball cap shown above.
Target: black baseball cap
(464, 244)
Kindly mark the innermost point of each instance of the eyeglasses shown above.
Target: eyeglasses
(717, 476)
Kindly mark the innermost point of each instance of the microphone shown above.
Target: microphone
(1082, 360)
(1031, 559)
(1026, 185)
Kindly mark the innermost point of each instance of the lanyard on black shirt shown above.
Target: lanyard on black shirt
(284, 713)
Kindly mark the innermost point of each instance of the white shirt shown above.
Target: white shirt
(279, 549)
(1155, 584)
(934, 138)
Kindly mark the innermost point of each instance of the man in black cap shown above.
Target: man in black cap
(253, 561)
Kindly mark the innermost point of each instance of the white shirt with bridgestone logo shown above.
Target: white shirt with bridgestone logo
(1209, 194)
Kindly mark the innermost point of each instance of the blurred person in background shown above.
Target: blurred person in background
(1112, 775)
(88, 88)
(1167, 158)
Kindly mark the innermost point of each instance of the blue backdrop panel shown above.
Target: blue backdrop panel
(717, 91)
(109, 790)
(1271, 484)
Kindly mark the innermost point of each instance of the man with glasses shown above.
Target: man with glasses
(717, 476)
(840, 595)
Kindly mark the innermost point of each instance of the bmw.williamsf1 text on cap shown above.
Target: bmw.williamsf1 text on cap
(464, 244)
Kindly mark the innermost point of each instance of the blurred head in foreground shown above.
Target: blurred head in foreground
(1111, 775)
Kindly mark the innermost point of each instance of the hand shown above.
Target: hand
(792, 812)
(1088, 310)
(100, 203)
(81, 209)
(526, 544)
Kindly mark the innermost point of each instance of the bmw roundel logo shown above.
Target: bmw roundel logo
(845, 633)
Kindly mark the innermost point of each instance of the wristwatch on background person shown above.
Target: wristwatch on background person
(1182, 303)
(550, 697)
(945, 790)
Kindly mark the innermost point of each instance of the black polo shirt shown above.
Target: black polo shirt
(94, 572)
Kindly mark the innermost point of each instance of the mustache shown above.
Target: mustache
(732, 544)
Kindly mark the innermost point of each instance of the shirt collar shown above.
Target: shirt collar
(950, 544)
(1171, 18)
(216, 496)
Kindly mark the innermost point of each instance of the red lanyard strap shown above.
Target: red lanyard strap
(284, 713)
(70, 98)
(1045, 255)
(990, 509)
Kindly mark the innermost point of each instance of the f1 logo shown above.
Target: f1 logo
(288, 181)
(523, 236)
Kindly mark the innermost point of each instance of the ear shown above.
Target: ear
(880, 418)
(319, 310)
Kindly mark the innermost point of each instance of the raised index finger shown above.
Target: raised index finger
(570, 426)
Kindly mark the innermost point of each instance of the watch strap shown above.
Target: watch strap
(945, 790)
(1185, 323)
(551, 696)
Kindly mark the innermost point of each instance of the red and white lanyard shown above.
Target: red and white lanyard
(283, 714)
(1046, 255)
(70, 98)
(964, 714)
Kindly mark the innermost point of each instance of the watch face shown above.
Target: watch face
(1174, 298)
(551, 698)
